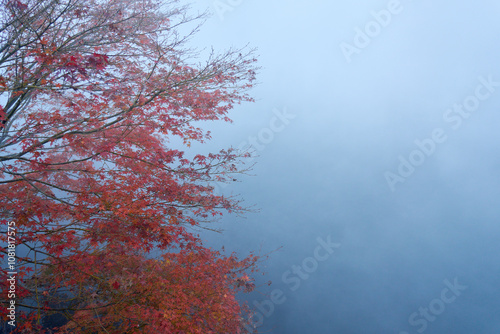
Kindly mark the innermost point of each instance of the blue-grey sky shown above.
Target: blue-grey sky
(376, 124)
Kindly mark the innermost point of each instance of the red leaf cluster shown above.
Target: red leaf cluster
(95, 94)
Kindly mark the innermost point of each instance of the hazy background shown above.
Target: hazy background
(324, 173)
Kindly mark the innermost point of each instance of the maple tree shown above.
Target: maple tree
(92, 94)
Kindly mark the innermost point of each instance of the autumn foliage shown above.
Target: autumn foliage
(92, 94)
